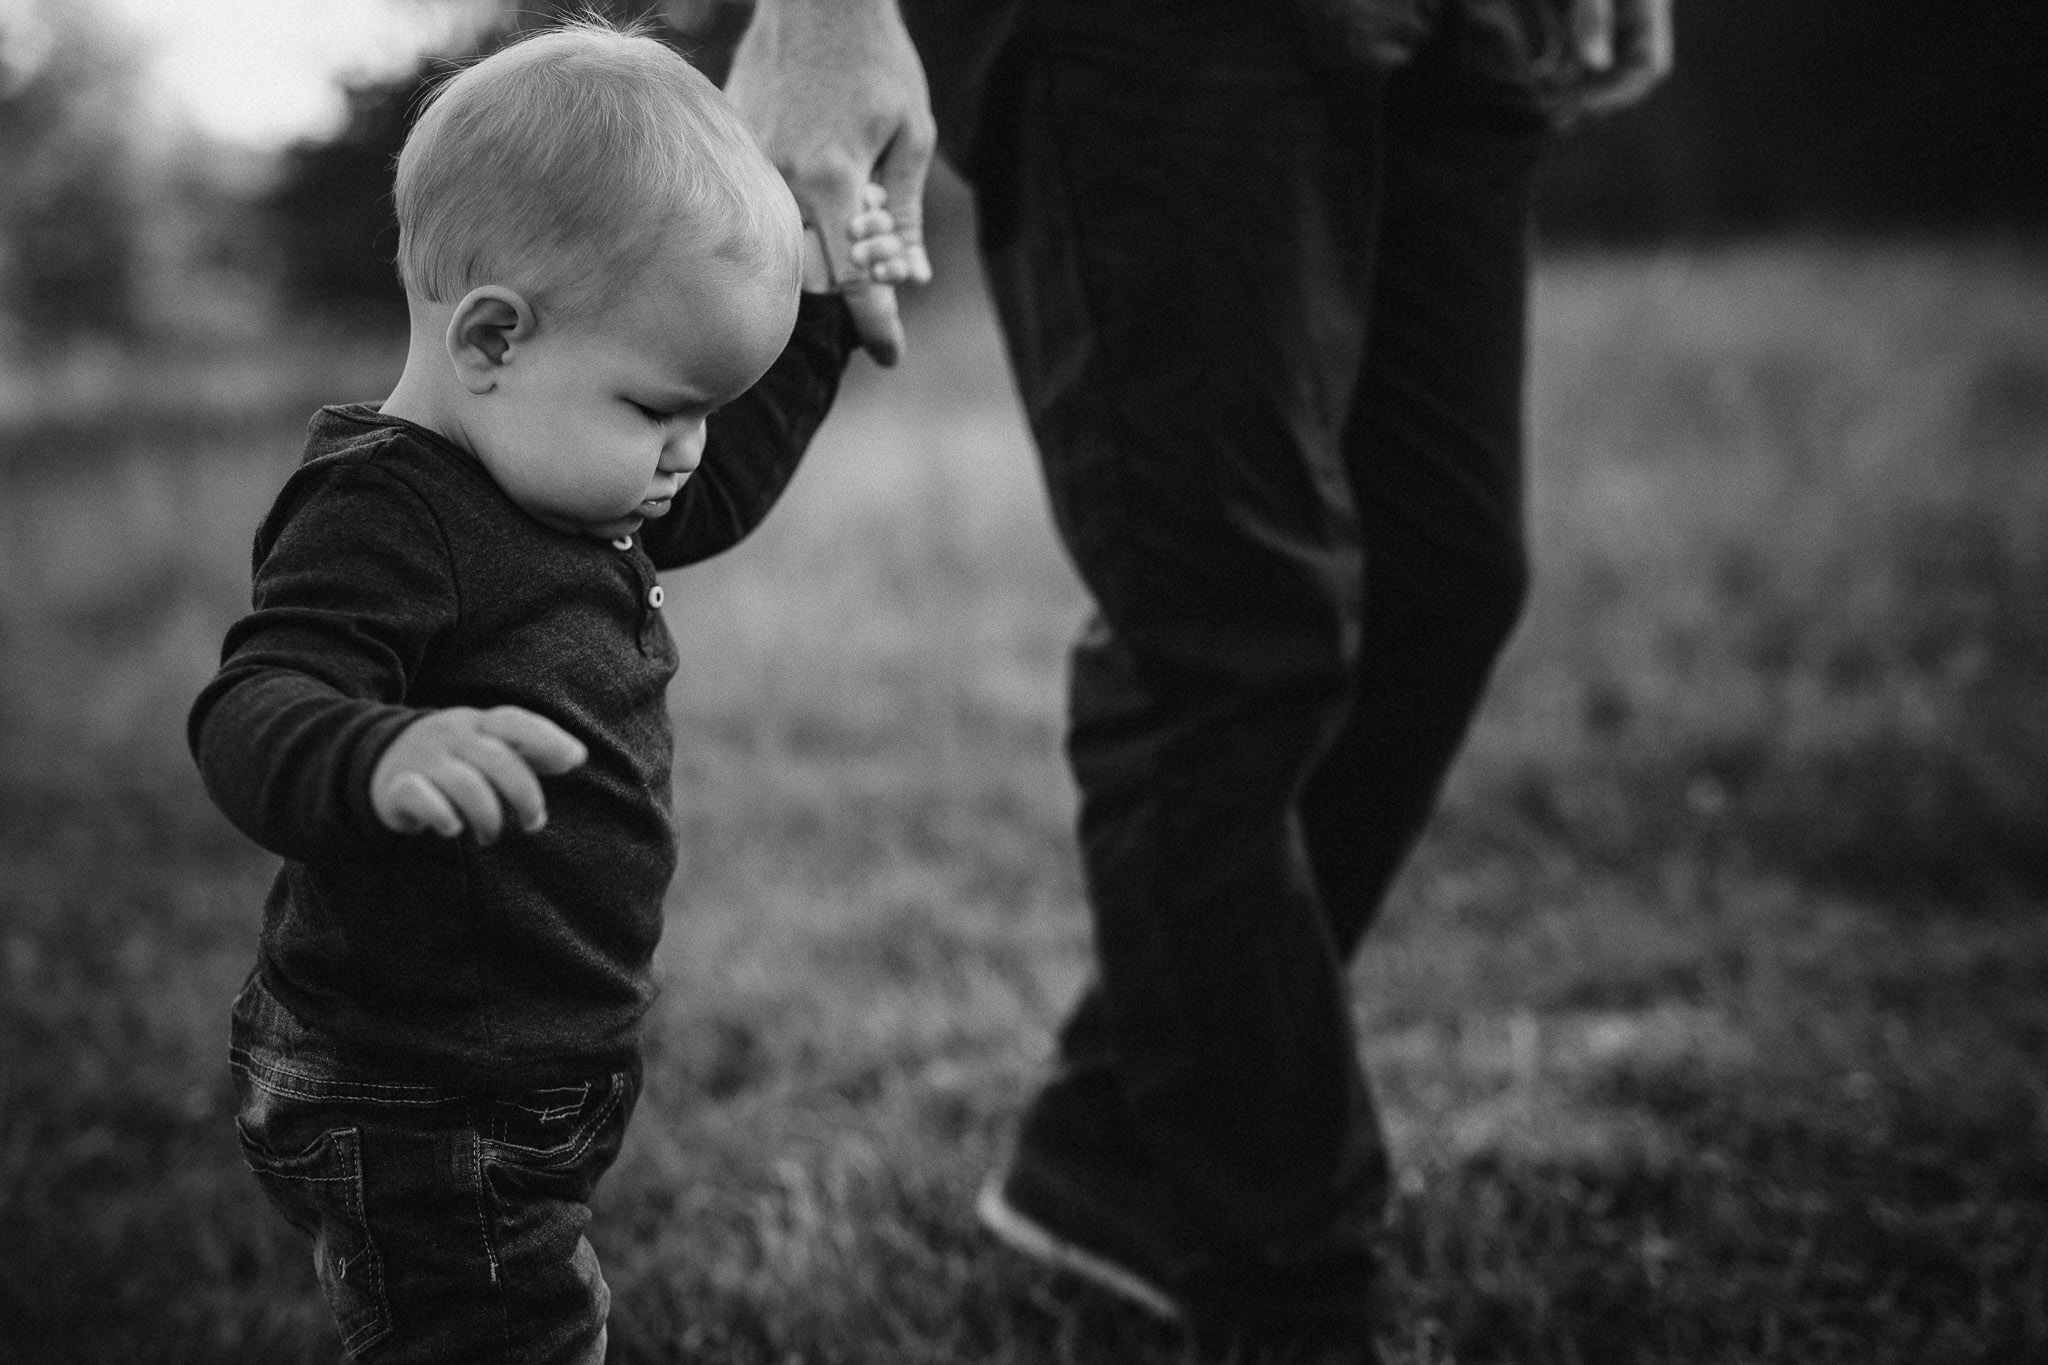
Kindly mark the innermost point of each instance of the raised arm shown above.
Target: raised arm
(752, 445)
(835, 93)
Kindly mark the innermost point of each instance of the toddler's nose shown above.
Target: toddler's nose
(684, 449)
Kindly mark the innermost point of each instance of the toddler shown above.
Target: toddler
(446, 711)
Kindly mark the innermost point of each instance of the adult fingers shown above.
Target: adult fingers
(542, 743)
(413, 804)
(905, 163)
(830, 199)
(875, 318)
(1611, 96)
(1593, 33)
(1643, 57)
(830, 195)
(817, 274)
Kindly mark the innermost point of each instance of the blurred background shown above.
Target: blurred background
(1710, 1022)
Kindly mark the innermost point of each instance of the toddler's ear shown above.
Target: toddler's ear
(482, 331)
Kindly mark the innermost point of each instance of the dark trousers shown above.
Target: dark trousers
(1268, 322)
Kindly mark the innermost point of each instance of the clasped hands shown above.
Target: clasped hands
(836, 95)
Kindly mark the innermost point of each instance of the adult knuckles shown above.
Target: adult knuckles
(827, 177)
(920, 135)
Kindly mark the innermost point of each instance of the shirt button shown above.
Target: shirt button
(623, 543)
(655, 597)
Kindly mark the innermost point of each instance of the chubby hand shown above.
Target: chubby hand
(877, 250)
(460, 768)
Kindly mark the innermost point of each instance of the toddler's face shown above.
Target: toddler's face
(597, 423)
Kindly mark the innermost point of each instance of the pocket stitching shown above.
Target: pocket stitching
(272, 1076)
(380, 1323)
(494, 1152)
(264, 1162)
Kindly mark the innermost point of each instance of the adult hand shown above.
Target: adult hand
(460, 768)
(836, 95)
(1618, 51)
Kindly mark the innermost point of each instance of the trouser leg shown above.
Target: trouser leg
(1180, 257)
(1434, 454)
(1182, 241)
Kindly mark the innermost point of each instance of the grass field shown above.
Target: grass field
(1710, 1021)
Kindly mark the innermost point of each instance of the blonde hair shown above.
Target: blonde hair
(564, 164)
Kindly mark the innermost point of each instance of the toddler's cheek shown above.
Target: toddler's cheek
(617, 489)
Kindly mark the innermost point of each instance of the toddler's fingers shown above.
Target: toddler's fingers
(888, 268)
(894, 270)
(910, 229)
(902, 173)
(871, 251)
(871, 301)
(547, 746)
(870, 223)
(414, 805)
(509, 776)
(472, 796)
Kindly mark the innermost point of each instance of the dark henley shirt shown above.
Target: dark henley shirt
(392, 576)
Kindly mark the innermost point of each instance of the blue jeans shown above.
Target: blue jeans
(447, 1223)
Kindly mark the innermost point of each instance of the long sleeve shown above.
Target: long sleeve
(352, 586)
(754, 443)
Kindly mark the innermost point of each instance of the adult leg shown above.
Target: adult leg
(1434, 452)
(1178, 242)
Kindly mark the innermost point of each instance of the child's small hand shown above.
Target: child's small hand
(877, 247)
(458, 769)
(874, 246)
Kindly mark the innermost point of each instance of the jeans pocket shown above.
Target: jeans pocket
(561, 1129)
(319, 1190)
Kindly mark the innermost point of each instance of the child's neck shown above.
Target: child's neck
(423, 394)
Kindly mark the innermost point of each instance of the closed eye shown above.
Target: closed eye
(663, 416)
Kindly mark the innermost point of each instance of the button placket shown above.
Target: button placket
(650, 593)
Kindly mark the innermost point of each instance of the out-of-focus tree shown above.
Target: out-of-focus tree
(68, 210)
(330, 214)
(1868, 116)
(330, 211)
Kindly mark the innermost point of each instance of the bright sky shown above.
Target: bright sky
(265, 72)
